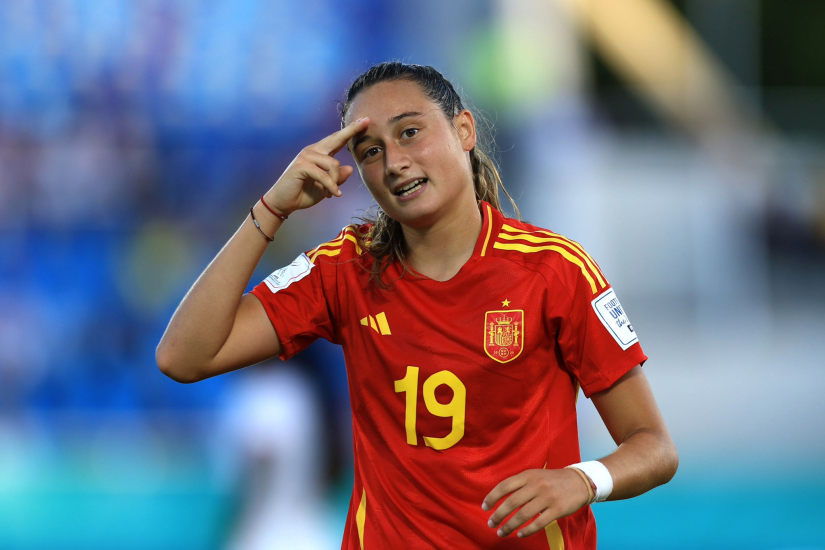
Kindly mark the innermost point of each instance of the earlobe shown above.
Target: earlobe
(470, 142)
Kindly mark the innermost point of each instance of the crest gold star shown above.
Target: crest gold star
(505, 303)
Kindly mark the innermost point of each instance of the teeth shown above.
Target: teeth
(411, 187)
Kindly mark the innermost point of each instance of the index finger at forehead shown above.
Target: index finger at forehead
(335, 142)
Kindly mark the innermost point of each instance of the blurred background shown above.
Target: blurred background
(681, 142)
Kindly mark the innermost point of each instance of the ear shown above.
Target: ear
(465, 125)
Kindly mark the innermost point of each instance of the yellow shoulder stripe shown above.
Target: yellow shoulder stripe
(337, 239)
(333, 247)
(325, 252)
(560, 240)
(567, 255)
(550, 233)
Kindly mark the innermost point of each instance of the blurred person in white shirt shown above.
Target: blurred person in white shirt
(272, 452)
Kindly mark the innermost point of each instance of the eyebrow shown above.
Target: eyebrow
(390, 121)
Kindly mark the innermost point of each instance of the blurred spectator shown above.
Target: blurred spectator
(272, 454)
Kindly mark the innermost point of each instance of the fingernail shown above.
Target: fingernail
(484, 506)
(500, 533)
(490, 523)
(360, 119)
(520, 534)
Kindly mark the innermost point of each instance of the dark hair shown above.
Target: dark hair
(386, 240)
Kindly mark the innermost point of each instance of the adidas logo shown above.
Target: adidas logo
(378, 323)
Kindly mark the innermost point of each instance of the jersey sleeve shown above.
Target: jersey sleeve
(595, 337)
(296, 302)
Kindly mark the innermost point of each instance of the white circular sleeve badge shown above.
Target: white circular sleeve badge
(612, 315)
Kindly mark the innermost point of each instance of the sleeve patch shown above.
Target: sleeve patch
(612, 315)
(285, 276)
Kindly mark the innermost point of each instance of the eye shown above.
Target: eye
(369, 152)
(406, 133)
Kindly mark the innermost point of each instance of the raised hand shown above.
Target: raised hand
(314, 174)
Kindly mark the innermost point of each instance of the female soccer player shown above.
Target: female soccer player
(467, 335)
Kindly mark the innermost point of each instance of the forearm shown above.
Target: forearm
(645, 459)
(205, 317)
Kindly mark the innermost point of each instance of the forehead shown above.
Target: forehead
(384, 100)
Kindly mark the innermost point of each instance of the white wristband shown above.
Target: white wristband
(600, 475)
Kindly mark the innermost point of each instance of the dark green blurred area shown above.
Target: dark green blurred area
(793, 44)
(774, 48)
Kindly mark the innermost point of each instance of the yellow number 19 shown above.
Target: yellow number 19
(455, 408)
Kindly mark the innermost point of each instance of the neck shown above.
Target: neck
(440, 250)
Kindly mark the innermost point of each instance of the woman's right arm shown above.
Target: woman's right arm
(217, 328)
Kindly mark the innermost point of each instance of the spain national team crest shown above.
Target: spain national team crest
(504, 334)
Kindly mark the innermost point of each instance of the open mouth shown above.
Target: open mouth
(411, 188)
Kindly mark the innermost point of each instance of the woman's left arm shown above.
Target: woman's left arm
(645, 458)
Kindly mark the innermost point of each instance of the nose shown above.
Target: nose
(396, 161)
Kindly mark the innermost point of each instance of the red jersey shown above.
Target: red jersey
(457, 385)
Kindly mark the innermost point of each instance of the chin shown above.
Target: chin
(419, 216)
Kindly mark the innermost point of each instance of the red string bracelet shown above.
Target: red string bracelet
(268, 208)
